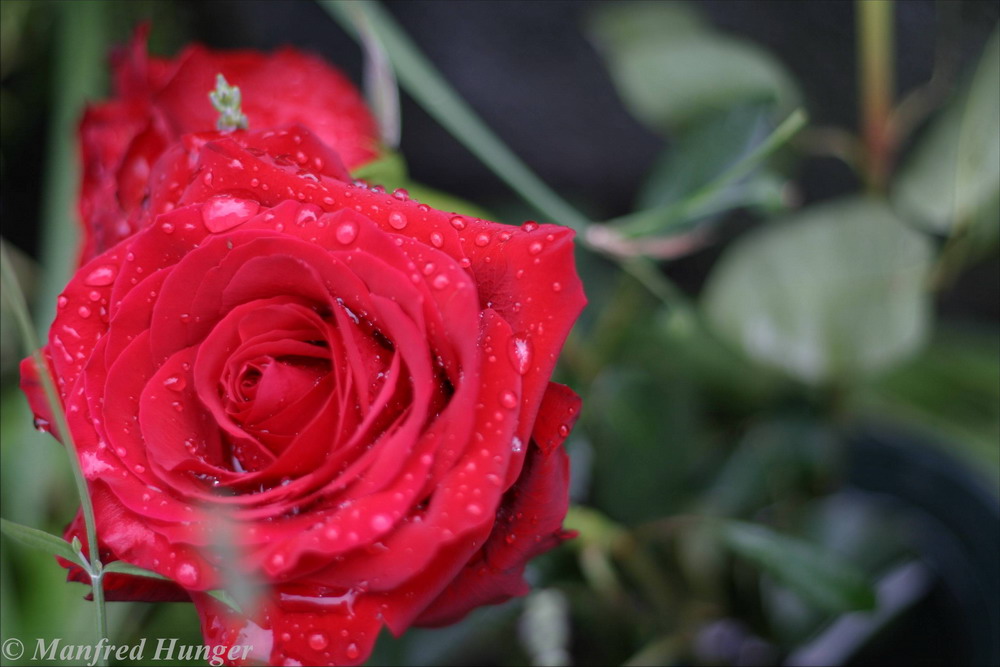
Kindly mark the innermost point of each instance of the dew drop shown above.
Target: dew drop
(458, 222)
(307, 215)
(277, 560)
(222, 213)
(474, 509)
(167, 228)
(317, 641)
(381, 522)
(482, 240)
(508, 400)
(441, 281)
(519, 353)
(563, 430)
(102, 275)
(516, 445)
(535, 248)
(529, 225)
(397, 220)
(83, 311)
(401, 194)
(352, 651)
(62, 301)
(175, 383)
(187, 575)
(437, 240)
(347, 232)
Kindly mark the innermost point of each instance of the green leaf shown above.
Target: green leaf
(736, 184)
(443, 201)
(835, 292)
(953, 391)
(952, 178)
(38, 539)
(389, 170)
(700, 155)
(670, 68)
(121, 567)
(225, 598)
(818, 575)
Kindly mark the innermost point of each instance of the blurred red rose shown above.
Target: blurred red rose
(159, 100)
(334, 391)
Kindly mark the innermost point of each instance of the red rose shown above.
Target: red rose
(349, 386)
(159, 100)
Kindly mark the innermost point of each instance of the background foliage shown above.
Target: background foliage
(789, 449)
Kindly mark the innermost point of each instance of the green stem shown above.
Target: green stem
(421, 80)
(77, 74)
(19, 309)
(877, 78)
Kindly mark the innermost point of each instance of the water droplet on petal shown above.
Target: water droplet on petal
(482, 240)
(83, 311)
(102, 275)
(529, 225)
(563, 430)
(474, 509)
(519, 352)
(381, 522)
(535, 248)
(437, 240)
(167, 228)
(508, 399)
(441, 281)
(62, 301)
(222, 213)
(317, 641)
(401, 194)
(458, 222)
(175, 383)
(557, 287)
(187, 575)
(516, 445)
(397, 220)
(347, 232)
(352, 651)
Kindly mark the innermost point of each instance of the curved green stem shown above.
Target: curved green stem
(420, 78)
(19, 309)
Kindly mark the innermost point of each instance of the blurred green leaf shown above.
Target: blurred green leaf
(121, 567)
(698, 156)
(738, 183)
(818, 575)
(835, 292)
(670, 68)
(444, 201)
(953, 176)
(772, 461)
(953, 390)
(38, 539)
(388, 170)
